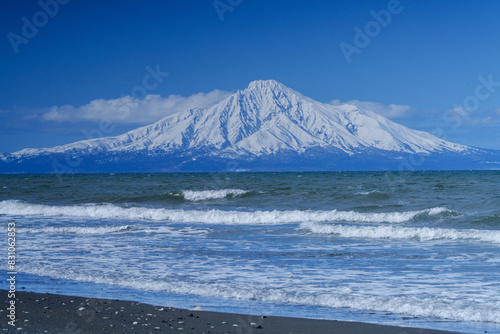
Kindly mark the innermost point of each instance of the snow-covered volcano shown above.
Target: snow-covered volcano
(264, 122)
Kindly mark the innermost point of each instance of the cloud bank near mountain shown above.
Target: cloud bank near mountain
(128, 110)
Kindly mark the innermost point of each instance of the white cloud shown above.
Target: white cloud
(460, 111)
(390, 111)
(461, 115)
(127, 110)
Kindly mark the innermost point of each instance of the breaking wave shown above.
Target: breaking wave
(202, 195)
(104, 230)
(78, 230)
(213, 216)
(402, 233)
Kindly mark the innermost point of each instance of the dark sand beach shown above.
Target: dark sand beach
(51, 313)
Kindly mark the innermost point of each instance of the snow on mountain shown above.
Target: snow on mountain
(264, 118)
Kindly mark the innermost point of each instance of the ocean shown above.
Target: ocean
(419, 249)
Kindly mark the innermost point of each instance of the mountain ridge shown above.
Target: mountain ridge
(264, 121)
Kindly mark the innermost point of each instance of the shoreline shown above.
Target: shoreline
(52, 313)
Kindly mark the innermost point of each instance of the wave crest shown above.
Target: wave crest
(401, 233)
(103, 230)
(213, 216)
(202, 195)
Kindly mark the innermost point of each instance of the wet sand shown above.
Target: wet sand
(50, 313)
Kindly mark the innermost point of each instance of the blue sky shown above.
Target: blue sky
(429, 65)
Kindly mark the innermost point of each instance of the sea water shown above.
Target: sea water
(418, 249)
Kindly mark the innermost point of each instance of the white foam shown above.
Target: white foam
(115, 229)
(77, 230)
(370, 192)
(417, 305)
(113, 212)
(402, 233)
(202, 195)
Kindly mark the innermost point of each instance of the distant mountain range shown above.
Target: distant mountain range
(265, 127)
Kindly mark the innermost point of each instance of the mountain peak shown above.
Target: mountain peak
(269, 95)
(263, 121)
(267, 86)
